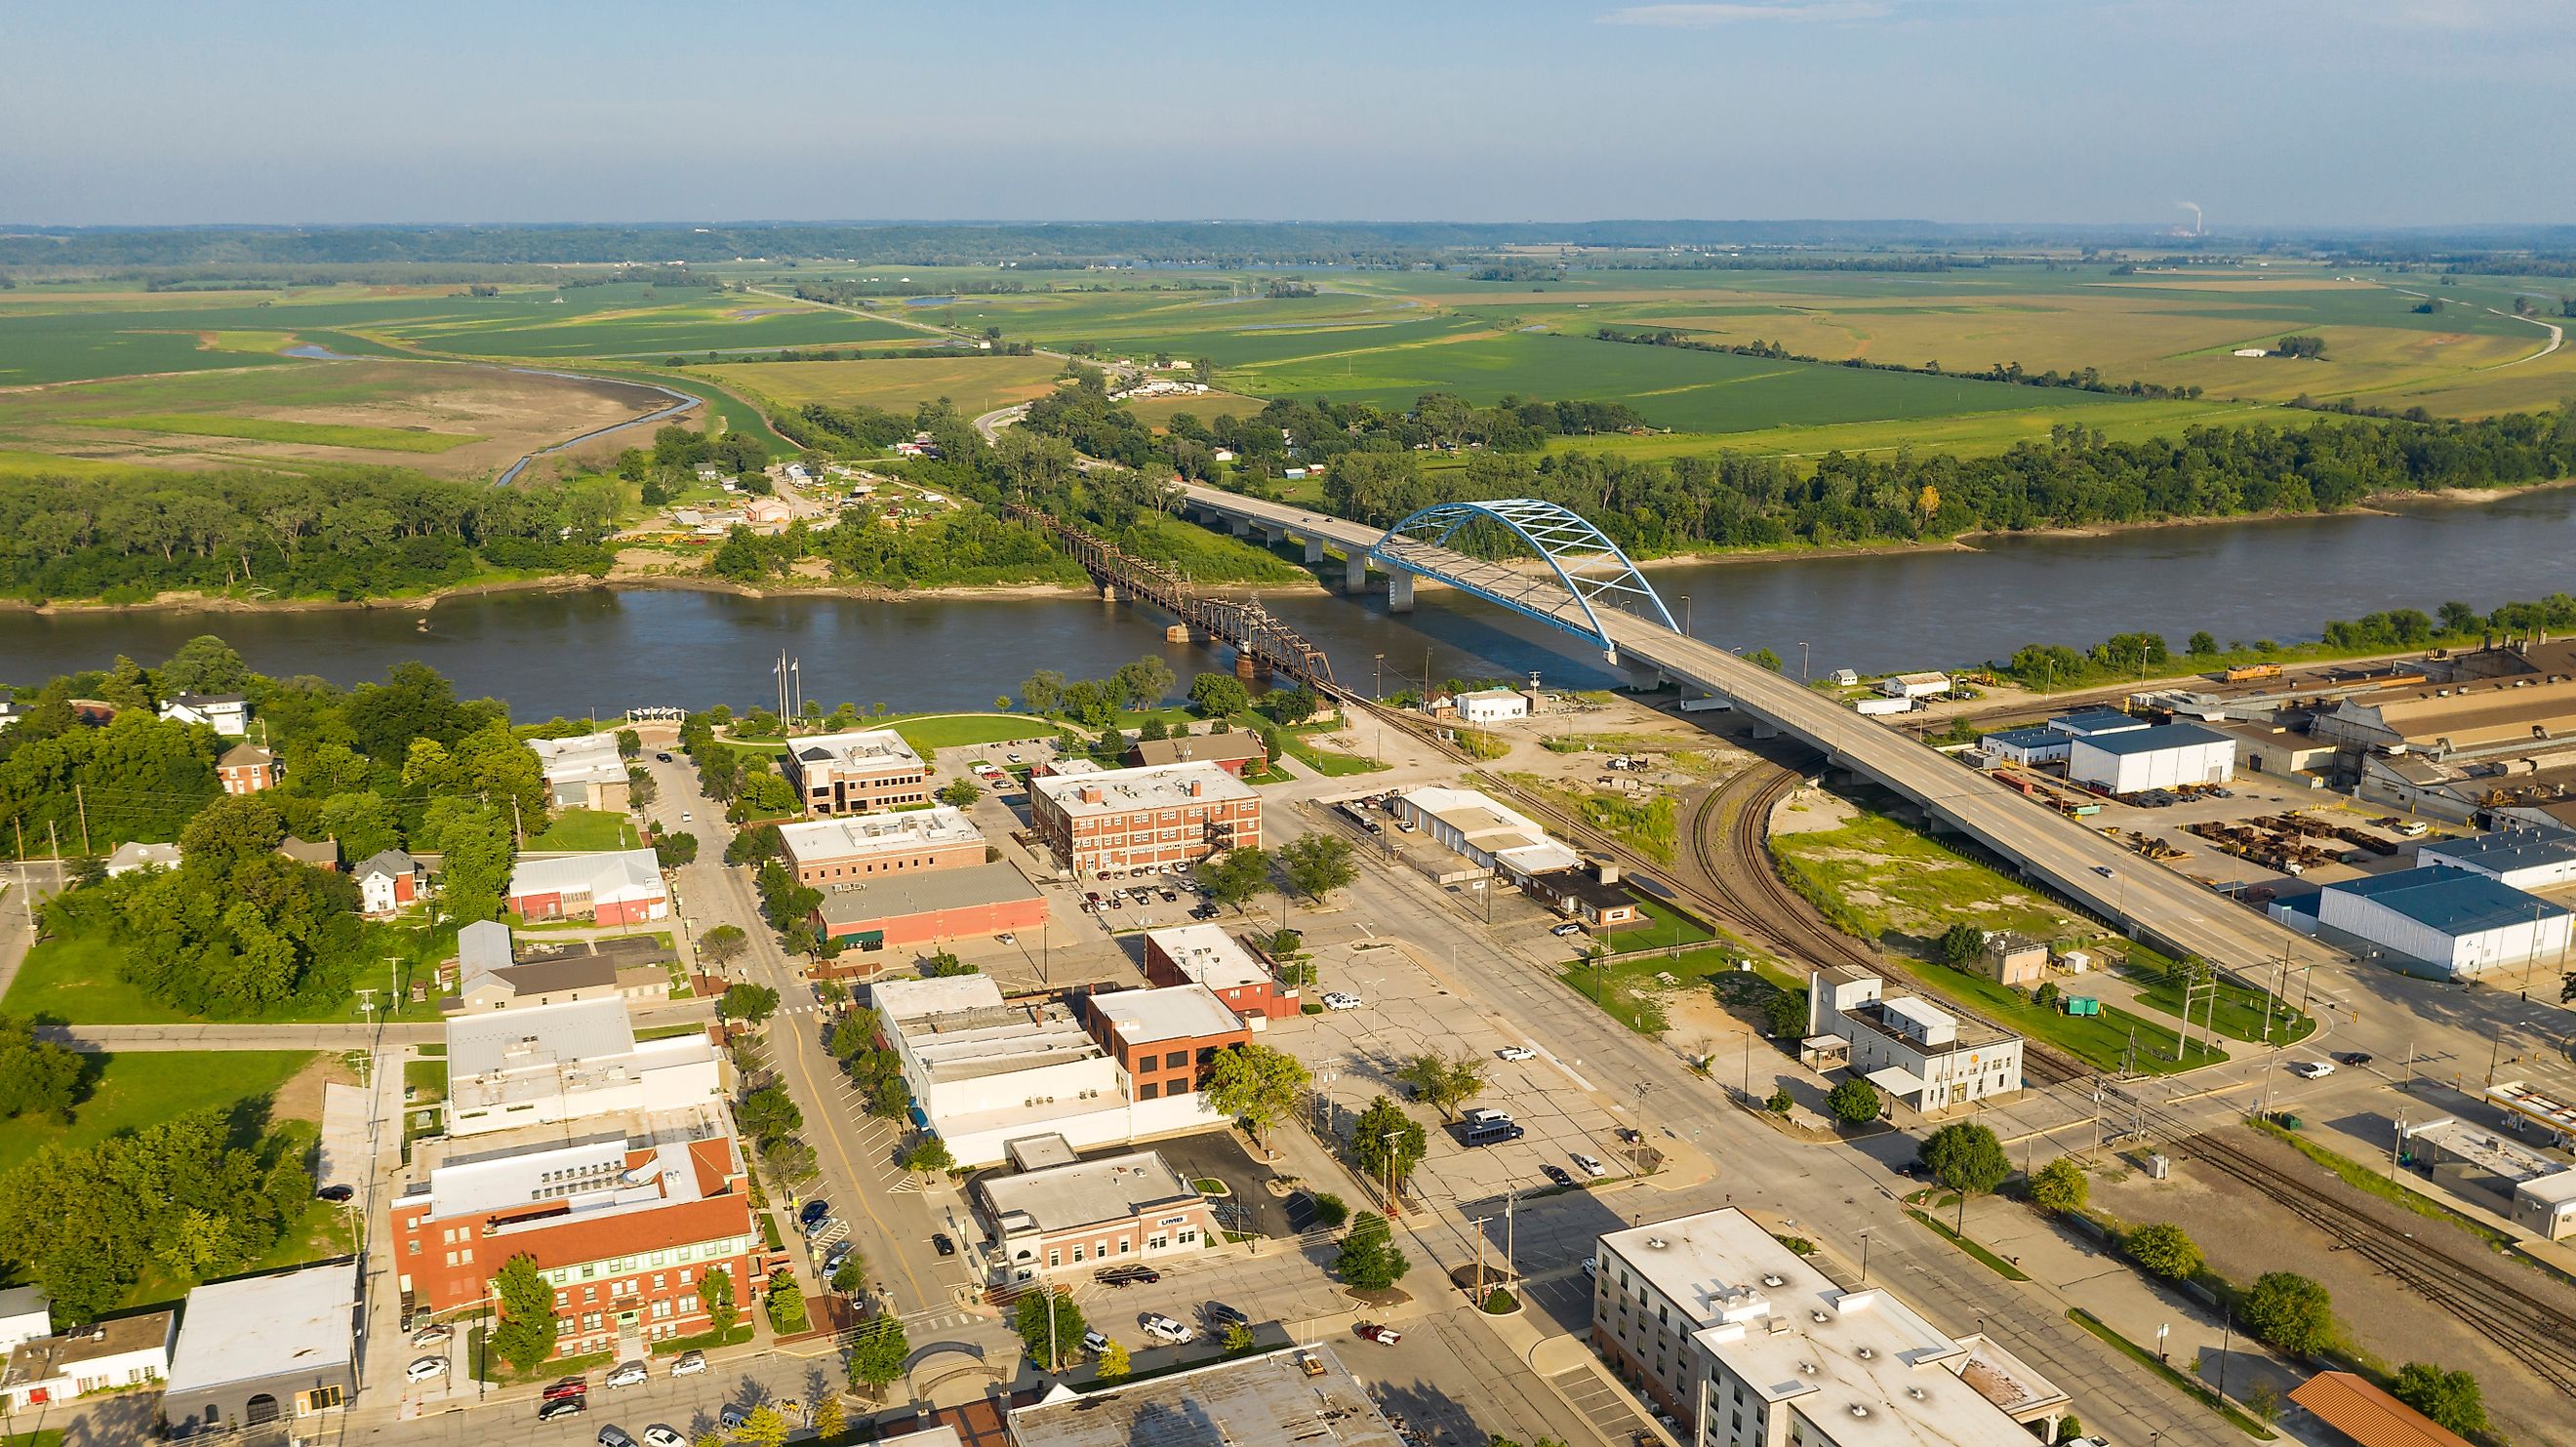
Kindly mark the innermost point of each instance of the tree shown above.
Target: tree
(1764, 658)
(203, 664)
(1853, 1102)
(1318, 864)
(1049, 1334)
(1444, 1082)
(1961, 944)
(2289, 1311)
(1236, 1338)
(641, 787)
(1781, 1102)
(1257, 1085)
(789, 1162)
(944, 964)
(1219, 694)
(715, 1293)
(764, 1426)
(1112, 1365)
(2164, 1249)
(786, 1307)
(830, 1420)
(1043, 692)
(851, 1274)
(1967, 1158)
(960, 793)
(1153, 728)
(37, 1076)
(877, 1356)
(723, 945)
(1386, 1144)
(2060, 1187)
(525, 1336)
(1291, 707)
(673, 850)
(2200, 645)
(747, 1002)
(1234, 876)
(1785, 1011)
(768, 1113)
(1143, 683)
(928, 1155)
(2451, 1399)
(1369, 1258)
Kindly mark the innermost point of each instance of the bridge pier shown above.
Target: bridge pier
(1765, 729)
(1242, 526)
(1109, 592)
(1355, 573)
(1180, 633)
(1314, 550)
(1399, 592)
(1251, 671)
(1274, 536)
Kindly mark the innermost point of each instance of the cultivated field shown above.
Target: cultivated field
(977, 383)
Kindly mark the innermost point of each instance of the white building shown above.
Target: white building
(2037, 744)
(1492, 705)
(1915, 1051)
(1058, 1212)
(26, 1313)
(550, 1063)
(264, 1349)
(1746, 1345)
(1914, 685)
(101, 1357)
(583, 773)
(985, 1072)
(2164, 756)
(2517, 859)
(2442, 922)
(226, 713)
(131, 856)
(2546, 1205)
(1489, 834)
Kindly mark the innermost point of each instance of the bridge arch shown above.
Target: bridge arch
(1592, 569)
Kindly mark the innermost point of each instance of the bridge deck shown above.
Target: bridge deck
(2073, 859)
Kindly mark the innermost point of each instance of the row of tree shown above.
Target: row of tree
(2132, 655)
(2081, 379)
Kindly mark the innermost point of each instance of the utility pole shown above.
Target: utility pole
(1478, 1222)
(1511, 1272)
(82, 800)
(518, 825)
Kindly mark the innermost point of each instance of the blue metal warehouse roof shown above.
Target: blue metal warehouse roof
(2086, 721)
(2454, 901)
(2156, 739)
(2037, 736)
(2518, 849)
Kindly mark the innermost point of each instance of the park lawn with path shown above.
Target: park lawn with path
(585, 831)
(139, 1087)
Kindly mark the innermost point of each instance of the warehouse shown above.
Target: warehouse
(2445, 922)
(928, 907)
(2519, 859)
(2167, 756)
(2037, 744)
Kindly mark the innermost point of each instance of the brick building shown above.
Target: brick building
(1160, 818)
(247, 769)
(1164, 1039)
(625, 1217)
(1236, 753)
(929, 906)
(855, 773)
(618, 887)
(1205, 955)
(827, 851)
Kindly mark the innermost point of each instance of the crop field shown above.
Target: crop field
(976, 383)
(635, 321)
(1969, 434)
(1687, 391)
(1158, 412)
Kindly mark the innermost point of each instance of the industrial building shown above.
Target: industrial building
(855, 773)
(2441, 922)
(1058, 1211)
(2029, 747)
(1300, 1395)
(1914, 685)
(1116, 821)
(1487, 833)
(1491, 705)
(2163, 756)
(617, 887)
(586, 772)
(2518, 859)
(1205, 955)
(1922, 1055)
(929, 907)
(552, 1063)
(825, 851)
(264, 1349)
(1744, 1344)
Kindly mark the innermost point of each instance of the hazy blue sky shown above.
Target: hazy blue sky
(2263, 111)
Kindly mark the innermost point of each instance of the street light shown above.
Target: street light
(1686, 615)
(1802, 664)
(1864, 1254)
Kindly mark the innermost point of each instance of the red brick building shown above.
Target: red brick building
(1165, 1039)
(824, 852)
(855, 773)
(1236, 753)
(247, 769)
(928, 906)
(625, 1218)
(1118, 821)
(1205, 955)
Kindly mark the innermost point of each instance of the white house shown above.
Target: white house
(104, 1356)
(226, 713)
(1914, 685)
(130, 857)
(26, 1313)
(387, 881)
(1492, 705)
(2162, 757)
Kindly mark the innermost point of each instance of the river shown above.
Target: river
(600, 650)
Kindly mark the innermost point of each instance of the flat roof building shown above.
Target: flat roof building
(2441, 922)
(1299, 1395)
(928, 906)
(1166, 1040)
(828, 851)
(1159, 818)
(1486, 832)
(1238, 753)
(586, 772)
(264, 1349)
(1923, 1055)
(855, 773)
(2165, 756)
(621, 886)
(2518, 858)
(2037, 744)
(1204, 954)
(1113, 1208)
(552, 1063)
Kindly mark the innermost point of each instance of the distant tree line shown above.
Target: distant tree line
(2082, 379)
(2128, 655)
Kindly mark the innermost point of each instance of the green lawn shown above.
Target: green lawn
(139, 1087)
(1667, 926)
(75, 978)
(426, 1080)
(2240, 1013)
(1621, 987)
(1331, 763)
(585, 831)
(2101, 1040)
(969, 730)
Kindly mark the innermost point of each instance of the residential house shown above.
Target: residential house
(388, 882)
(131, 856)
(103, 1356)
(226, 713)
(320, 853)
(247, 769)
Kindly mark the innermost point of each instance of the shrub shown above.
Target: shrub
(1780, 1102)
(2290, 1311)
(2165, 1249)
(1331, 1211)
(2061, 1186)
(1499, 1302)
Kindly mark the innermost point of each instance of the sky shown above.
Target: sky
(2264, 112)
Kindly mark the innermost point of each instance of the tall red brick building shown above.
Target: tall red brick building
(1119, 821)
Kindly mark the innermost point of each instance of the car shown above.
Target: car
(689, 1363)
(663, 757)
(1336, 1000)
(2353, 1057)
(568, 1387)
(1590, 1166)
(1091, 896)
(1205, 911)
(630, 1374)
(731, 1418)
(1557, 1173)
(336, 1195)
(1007, 937)
(663, 1435)
(833, 1258)
(556, 1408)
(1591, 1268)
(424, 1368)
(2313, 1069)
(1127, 1275)
(1385, 1336)
(1220, 1316)
(940, 1243)
(613, 1435)
(1567, 930)
(812, 1214)
(1170, 896)
(686, 816)
(1014, 758)
(1178, 1333)
(431, 1336)
(2103, 870)
(1484, 1115)
(1629, 1135)
(1517, 1052)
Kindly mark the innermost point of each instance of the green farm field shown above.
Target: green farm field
(977, 383)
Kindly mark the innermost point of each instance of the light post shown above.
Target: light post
(1388, 1139)
(1377, 693)
(1864, 1254)
(1802, 665)
(1686, 615)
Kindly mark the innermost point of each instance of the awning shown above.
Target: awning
(2368, 1415)
(1898, 1081)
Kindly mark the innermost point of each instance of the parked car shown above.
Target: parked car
(432, 1336)
(1220, 1316)
(2313, 1069)
(1591, 1268)
(1567, 930)
(686, 816)
(556, 1408)
(1629, 1135)
(661, 758)
(663, 1435)
(424, 1368)
(1014, 758)
(612, 1435)
(2353, 1057)
(630, 1374)
(731, 1418)
(1557, 1173)
(1336, 1000)
(336, 1195)
(940, 1243)
(1517, 1052)
(833, 1258)
(1127, 1276)
(1176, 1332)
(1094, 1343)
(1590, 1166)
(568, 1387)
(1385, 1336)
(689, 1363)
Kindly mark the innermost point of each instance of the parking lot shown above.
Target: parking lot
(1406, 1011)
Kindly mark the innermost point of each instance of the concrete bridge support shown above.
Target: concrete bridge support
(1274, 536)
(1314, 550)
(1109, 593)
(1242, 526)
(1355, 573)
(1399, 592)
(1254, 673)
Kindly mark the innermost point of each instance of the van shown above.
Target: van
(1482, 1116)
(1493, 1132)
